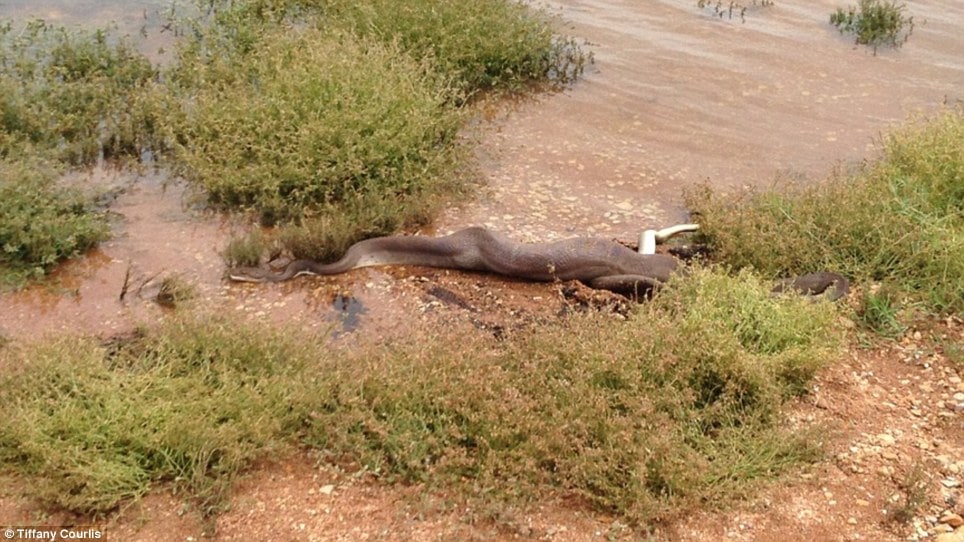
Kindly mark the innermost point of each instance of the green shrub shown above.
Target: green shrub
(79, 95)
(317, 122)
(875, 23)
(41, 223)
(490, 44)
(191, 404)
(898, 219)
(677, 408)
(674, 409)
(486, 45)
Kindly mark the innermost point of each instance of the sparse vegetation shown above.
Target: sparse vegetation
(875, 23)
(913, 486)
(898, 219)
(173, 291)
(722, 9)
(878, 312)
(677, 408)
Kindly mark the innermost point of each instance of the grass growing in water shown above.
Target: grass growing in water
(721, 9)
(67, 98)
(342, 119)
(900, 219)
(77, 95)
(496, 44)
(322, 115)
(676, 408)
(875, 23)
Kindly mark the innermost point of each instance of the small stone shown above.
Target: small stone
(886, 440)
(861, 502)
(851, 521)
(956, 536)
(327, 489)
(954, 520)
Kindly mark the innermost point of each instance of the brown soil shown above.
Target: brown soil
(676, 96)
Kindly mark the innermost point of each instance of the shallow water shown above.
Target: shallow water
(144, 21)
(676, 96)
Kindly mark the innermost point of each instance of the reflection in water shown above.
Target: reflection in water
(143, 20)
(348, 311)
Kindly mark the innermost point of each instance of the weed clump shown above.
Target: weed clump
(676, 408)
(192, 404)
(875, 23)
(41, 223)
(493, 45)
(898, 220)
(78, 95)
(318, 122)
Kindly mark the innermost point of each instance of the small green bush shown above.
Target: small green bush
(492, 44)
(41, 223)
(190, 404)
(875, 23)
(317, 122)
(80, 95)
(899, 219)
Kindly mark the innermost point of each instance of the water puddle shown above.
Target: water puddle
(155, 236)
(678, 96)
(348, 311)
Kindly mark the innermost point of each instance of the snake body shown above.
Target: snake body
(833, 286)
(599, 263)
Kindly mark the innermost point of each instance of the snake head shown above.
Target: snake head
(247, 274)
